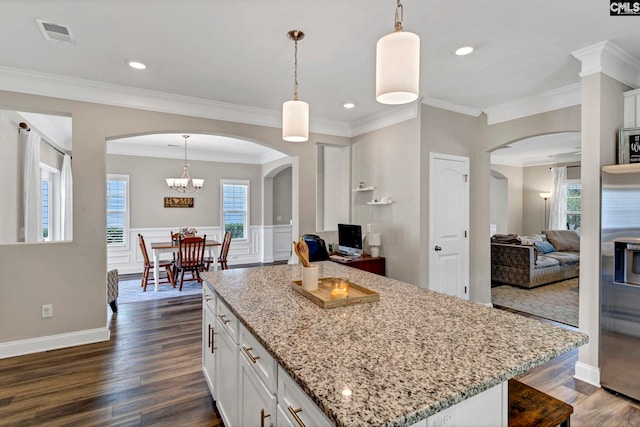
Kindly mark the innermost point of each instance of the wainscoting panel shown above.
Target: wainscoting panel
(128, 258)
(282, 242)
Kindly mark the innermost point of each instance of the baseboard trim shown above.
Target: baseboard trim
(53, 342)
(587, 373)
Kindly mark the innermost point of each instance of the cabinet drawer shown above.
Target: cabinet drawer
(293, 402)
(227, 320)
(209, 299)
(259, 358)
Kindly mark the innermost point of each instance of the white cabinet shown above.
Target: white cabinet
(226, 373)
(208, 341)
(257, 402)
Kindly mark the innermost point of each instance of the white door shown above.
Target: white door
(449, 224)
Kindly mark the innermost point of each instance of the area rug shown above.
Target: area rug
(131, 291)
(556, 301)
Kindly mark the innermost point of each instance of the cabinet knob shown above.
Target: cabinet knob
(294, 412)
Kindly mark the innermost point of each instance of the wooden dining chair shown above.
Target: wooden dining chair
(191, 257)
(224, 250)
(148, 265)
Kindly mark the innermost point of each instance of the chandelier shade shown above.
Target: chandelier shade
(295, 113)
(295, 121)
(185, 184)
(398, 65)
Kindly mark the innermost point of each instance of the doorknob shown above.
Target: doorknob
(437, 248)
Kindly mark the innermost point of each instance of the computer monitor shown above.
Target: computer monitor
(350, 239)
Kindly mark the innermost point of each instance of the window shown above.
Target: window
(235, 207)
(50, 225)
(117, 209)
(574, 190)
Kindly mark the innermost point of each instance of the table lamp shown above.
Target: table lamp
(374, 243)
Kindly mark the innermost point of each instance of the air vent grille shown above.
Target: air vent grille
(55, 32)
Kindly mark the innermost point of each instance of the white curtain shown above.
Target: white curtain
(32, 194)
(66, 200)
(558, 212)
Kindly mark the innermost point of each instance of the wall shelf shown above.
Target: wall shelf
(357, 190)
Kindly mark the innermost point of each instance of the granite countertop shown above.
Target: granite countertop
(408, 356)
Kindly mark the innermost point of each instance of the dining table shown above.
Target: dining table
(212, 246)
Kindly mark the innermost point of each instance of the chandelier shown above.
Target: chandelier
(185, 184)
(295, 114)
(398, 64)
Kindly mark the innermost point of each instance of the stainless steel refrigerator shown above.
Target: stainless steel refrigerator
(620, 281)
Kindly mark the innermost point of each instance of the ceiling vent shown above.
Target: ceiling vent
(55, 32)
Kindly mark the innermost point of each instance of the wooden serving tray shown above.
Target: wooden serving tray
(322, 296)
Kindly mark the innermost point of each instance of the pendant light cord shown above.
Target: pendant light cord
(295, 71)
(399, 16)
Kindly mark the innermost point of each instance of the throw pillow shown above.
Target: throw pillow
(563, 240)
(544, 247)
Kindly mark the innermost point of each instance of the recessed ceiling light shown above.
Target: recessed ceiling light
(464, 51)
(348, 105)
(136, 64)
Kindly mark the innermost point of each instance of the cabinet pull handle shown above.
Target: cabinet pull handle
(212, 334)
(251, 356)
(223, 318)
(294, 412)
(262, 417)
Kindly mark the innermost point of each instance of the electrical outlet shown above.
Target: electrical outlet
(368, 228)
(47, 310)
(279, 218)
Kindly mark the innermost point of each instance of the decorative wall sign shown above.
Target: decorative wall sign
(178, 202)
(629, 145)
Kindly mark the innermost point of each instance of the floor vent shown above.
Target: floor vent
(55, 32)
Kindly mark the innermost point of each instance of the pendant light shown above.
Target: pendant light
(295, 113)
(185, 184)
(398, 65)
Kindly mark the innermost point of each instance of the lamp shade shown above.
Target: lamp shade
(374, 239)
(545, 195)
(398, 68)
(295, 121)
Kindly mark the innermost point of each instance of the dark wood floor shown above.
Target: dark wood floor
(149, 374)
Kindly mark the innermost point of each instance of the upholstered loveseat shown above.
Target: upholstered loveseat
(529, 261)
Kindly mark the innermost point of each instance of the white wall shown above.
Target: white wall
(282, 197)
(514, 176)
(499, 202)
(389, 159)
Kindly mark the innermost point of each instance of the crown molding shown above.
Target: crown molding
(36, 83)
(444, 105)
(387, 117)
(609, 59)
(556, 99)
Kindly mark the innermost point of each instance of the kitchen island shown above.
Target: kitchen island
(394, 362)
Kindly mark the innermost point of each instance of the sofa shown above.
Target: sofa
(531, 261)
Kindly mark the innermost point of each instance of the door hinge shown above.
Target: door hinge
(465, 233)
(466, 177)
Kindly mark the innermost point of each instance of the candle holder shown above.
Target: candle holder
(339, 288)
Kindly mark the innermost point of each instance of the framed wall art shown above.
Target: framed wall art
(178, 202)
(629, 145)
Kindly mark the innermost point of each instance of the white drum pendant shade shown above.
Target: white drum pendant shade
(295, 121)
(398, 68)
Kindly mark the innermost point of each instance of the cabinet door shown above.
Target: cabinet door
(226, 377)
(257, 402)
(208, 347)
